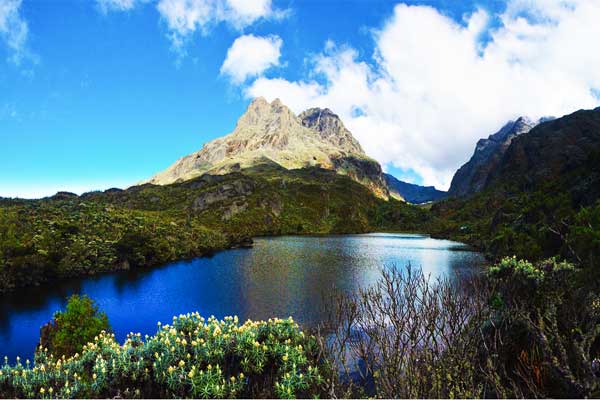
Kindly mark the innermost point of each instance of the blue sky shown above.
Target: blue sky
(95, 97)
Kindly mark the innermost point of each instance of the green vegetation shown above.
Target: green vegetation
(55, 238)
(532, 225)
(189, 358)
(148, 225)
(75, 327)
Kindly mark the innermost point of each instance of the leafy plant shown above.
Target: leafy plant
(71, 329)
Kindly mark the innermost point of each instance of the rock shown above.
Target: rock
(274, 205)
(235, 208)
(237, 188)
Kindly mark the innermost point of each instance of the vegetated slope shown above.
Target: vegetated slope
(473, 175)
(412, 193)
(272, 132)
(541, 200)
(146, 225)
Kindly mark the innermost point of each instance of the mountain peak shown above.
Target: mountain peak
(271, 131)
(472, 176)
(266, 117)
(330, 128)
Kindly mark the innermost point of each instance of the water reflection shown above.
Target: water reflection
(280, 276)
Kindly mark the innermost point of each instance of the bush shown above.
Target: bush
(407, 337)
(543, 337)
(73, 328)
(190, 358)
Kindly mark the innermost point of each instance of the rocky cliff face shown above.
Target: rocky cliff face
(412, 193)
(472, 176)
(271, 132)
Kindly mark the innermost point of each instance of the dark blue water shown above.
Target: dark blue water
(278, 277)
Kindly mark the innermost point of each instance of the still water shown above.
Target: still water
(278, 277)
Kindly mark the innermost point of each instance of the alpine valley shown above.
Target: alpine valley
(526, 326)
(278, 173)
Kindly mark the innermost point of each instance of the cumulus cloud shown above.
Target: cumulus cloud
(434, 86)
(249, 56)
(14, 30)
(185, 17)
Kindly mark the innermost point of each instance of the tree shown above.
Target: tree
(71, 329)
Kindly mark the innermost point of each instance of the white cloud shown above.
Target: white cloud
(14, 30)
(249, 56)
(184, 17)
(118, 5)
(433, 88)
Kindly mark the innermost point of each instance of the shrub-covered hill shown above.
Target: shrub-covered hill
(69, 235)
(271, 200)
(542, 200)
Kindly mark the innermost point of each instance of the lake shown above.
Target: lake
(278, 277)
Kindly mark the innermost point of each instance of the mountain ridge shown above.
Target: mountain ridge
(411, 192)
(472, 176)
(271, 131)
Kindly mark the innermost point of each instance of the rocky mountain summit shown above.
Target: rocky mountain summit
(472, 176)
(272, 133)
(563, 153)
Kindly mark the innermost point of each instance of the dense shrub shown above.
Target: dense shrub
(50, 239)
(189, 358)
(521, 330)
(71, 329)
(544, 332)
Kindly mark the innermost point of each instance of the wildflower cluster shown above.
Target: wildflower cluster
(192, 357)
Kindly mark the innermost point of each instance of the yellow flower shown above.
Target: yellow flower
(241, 375)
(42, 390)
(181, 363)
(94, 376)
(209, 367)
(285, 357)
(191, 374)
(232, 379)
(171, 369)
(50, 390)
